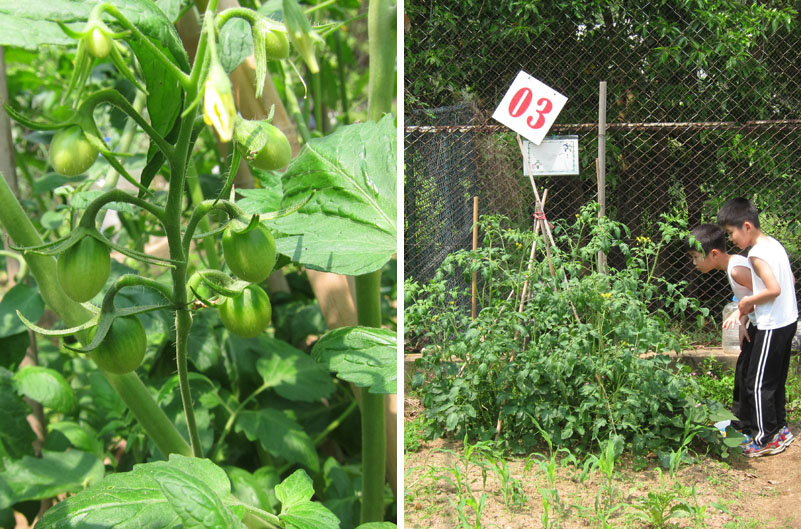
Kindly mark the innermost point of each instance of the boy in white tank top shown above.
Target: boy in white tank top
(775, 308)
(712, 255)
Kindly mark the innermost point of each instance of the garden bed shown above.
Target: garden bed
(738, 493)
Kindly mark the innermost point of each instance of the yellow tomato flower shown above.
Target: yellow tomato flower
(219, 110)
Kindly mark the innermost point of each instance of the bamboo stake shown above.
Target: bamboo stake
(475, 247)
(600, 165)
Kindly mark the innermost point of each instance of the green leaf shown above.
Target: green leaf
(82, 437)
(350, 225)
(15, 432)
(279, 435)
(236, 43)
(14, 348)
(25, 299)
(51, 220)
(193, 501)
(362, 355)
(377, 525)
(46, 386)
(135, 499)
(293, 373)
(34, 478)
(30, 24)
(297, 509)
(255, 489)
(258, 200)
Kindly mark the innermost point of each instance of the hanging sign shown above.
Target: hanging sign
(555, 155)
(529, 107)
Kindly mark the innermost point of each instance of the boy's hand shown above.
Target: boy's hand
(743, 334)
(732, 320)
(745, 305)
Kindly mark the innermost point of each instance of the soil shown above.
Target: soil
(739, 493)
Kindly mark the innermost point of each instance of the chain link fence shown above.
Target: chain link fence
(702, 106)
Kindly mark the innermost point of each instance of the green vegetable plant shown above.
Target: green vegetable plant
(132, 331)
(596, 378)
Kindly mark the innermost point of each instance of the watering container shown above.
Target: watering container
(731, 336)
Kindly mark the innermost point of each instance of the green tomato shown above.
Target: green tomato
(276, 44)
(250, 256)
(98, 44)
(71, 153)
(123, 348)
(247, 314)
(83, 269)
(276, 153)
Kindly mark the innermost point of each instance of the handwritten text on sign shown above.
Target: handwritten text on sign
(529, 107)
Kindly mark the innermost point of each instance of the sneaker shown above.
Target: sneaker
(786, 436)
(748, 439)
(774, 446)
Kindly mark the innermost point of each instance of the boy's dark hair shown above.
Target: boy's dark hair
(710, 236)
(738, 211)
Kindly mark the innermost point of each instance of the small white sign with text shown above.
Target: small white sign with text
(555, 155)
(529, 107)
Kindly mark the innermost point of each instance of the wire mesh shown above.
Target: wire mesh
(702, 106)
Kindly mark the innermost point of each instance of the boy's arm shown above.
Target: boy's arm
(742, 276)
(772, 288)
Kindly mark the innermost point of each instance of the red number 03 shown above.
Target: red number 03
(522, 100)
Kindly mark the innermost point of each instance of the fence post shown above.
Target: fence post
(600, 164)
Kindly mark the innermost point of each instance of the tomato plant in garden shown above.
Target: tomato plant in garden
(577, 362)
(252, 436)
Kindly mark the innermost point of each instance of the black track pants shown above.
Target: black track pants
(765, 379)
(739, 405)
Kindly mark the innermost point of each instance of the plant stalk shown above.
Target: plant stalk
(374, 441)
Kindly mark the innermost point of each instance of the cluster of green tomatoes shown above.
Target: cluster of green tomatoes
(249, 251)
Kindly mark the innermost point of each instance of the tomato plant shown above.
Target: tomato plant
(247, 314)
(250, 254)
(201, 395)
(83, 269)
(71, 153)
(123, 348)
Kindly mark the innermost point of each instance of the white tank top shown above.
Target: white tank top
(783, 310)
(740, 291)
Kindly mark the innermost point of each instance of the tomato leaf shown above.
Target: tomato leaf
(25, 299)
(34, 478)
(81, 436)
(293, 373)
(297, 509)
(350, 224)
(194, 501)
(279, 435)
(377, 525)
(134, 499)
(236, 43)
(362, 355)
(46, 386)
(15, 432)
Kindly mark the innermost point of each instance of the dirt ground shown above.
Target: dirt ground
(740, 493)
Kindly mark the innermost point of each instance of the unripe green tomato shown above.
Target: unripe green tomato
(71, 153)
(83, 269)
(276, 153)
(123, 348)
(98, 44)
(250, 256)
(276, 44)
(247, 314)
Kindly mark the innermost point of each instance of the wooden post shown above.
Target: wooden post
(475, 247)
(600, 164)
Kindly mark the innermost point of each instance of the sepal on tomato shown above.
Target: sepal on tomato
(264, 145)
(268, 43)
(301, 33)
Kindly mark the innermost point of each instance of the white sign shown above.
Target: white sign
(529, 107)
(556, 155)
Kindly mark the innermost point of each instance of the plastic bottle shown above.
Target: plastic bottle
(731, 336)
